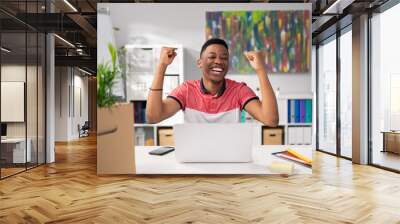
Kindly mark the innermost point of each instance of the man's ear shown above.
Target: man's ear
(199, 63)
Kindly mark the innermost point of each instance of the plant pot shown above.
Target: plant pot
(115, 140)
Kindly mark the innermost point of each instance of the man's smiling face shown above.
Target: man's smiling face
(214, 62)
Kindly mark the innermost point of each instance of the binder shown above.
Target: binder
(308, 111)
(139, 112)
(292, 107)
(136, 111)
(144, 115)
(283, 111)
(302, 111)
(289, 113)
(297, 111)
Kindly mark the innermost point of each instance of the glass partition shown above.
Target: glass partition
(31, 100)
(385, 89)
(346, 93)
(327, 96)
(22, 77)
(13, 94)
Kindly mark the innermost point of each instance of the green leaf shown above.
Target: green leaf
(106, 76)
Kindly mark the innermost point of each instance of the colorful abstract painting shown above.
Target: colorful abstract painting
(283, 35)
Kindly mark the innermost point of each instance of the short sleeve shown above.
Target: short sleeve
(246, 95)
(179, 94)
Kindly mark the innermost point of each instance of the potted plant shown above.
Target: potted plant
(115, 136)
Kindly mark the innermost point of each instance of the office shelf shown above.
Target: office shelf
(141, 61)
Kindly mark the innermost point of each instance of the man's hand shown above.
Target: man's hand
(256, 59)
(167, 55)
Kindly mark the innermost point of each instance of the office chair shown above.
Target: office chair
(84, 130)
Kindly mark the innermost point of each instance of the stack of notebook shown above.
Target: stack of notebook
(294, 156)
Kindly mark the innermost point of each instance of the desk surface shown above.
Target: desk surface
(167, 164)
(13, 140)
(391, 132)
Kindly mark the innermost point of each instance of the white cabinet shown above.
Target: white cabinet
(16, 148)
(299, 135)
(20, 155)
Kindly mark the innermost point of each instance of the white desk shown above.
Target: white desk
(18, 150)
(167, 164)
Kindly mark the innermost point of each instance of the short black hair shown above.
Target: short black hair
(213, 41)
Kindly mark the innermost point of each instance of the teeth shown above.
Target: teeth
(217, 69)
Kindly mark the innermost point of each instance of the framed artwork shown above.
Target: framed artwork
(283, 35)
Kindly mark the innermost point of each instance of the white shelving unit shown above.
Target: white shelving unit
(283, 115)
(141, 62)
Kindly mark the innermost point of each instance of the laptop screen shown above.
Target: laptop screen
(3, 129)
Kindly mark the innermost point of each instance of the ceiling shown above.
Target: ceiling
(75, 21)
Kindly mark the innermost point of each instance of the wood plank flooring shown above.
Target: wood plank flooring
(10, 171)
(70, 192)
(387, 159)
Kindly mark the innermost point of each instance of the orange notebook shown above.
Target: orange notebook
(300, 156)
(288, 156)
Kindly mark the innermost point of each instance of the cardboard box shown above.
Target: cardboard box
(115, 140)
(272, 136)
(165, 137)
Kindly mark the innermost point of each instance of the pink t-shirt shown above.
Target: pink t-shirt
(199, 106)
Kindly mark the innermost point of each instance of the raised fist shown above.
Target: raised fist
(167, 55)
(256, 59)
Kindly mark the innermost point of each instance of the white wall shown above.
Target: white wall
(105, 35)
(83, 83)
(287, 83)
(314, 90)
(80, 83)
(61, 103)
(68, 80)
(170, 24)
(33, 126)
(13, 101)
(12, 73)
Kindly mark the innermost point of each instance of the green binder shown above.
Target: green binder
(308, 111)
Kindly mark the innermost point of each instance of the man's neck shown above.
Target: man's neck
(213, 87)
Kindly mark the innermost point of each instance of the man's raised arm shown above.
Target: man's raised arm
(158, 109)
(265, 111)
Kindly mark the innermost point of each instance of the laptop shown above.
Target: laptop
(213, 142)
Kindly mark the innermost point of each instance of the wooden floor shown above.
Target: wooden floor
(70, 192)
(387, 159)
(5, 172)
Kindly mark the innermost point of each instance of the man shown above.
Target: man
(213, 98)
